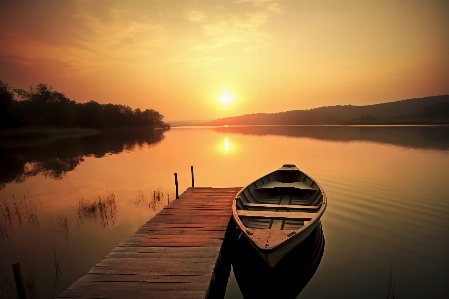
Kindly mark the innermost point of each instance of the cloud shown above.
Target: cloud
(120, 41)
(239, 29)
(242, 28)
(196, 16)
(124, 35)
(273, 7)
(193, 62)
(93, 39)
(268, 5)
(20, 48)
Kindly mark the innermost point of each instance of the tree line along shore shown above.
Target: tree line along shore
(42, 110)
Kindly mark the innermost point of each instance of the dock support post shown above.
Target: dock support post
(19, 280)
(176, 184)
(193, 179)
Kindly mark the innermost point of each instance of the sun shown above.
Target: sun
(226, 98)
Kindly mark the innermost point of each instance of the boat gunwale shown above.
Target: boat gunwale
(299, 232)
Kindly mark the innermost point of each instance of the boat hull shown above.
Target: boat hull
(278, 211)
(274, 256)
(288, 278)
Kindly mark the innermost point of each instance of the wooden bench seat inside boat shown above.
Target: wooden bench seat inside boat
(276, 215)
(296, 185)
(277, 206)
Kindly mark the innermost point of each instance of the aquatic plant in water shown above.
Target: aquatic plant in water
(16, 213)
(103, 209)
(29, 281)
(391, 284)
(155, 202)
(60, 225)
(7, 287)
(58, 271)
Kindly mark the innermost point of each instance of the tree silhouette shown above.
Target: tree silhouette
(6, 105)
(42, 106)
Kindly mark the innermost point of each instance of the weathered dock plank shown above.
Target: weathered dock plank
(173, 255)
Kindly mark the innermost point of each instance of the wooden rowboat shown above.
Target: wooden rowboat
(278, 211)
(288, 278)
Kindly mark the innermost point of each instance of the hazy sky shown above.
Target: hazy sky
(181, 57)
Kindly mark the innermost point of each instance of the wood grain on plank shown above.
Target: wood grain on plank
(173, 255)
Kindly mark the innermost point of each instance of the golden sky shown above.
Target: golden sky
(207, 59)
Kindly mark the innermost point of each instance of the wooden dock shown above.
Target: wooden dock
(174, 255)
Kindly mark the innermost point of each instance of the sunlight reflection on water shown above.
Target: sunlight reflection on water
(386, 187)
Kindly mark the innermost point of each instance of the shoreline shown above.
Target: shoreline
(46, 132)
(30, 132)
(19, 137)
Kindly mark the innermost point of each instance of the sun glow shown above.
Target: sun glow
(226, 98)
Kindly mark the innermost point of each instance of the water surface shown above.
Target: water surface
(66, 203)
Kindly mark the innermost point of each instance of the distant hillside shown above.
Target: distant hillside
(428, 110)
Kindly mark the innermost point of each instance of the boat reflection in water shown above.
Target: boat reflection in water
(287, 279)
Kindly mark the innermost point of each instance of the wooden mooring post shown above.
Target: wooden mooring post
(176, 181)
(176, 184)
(19, 280)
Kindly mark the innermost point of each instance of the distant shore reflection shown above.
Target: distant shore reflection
(29, 158)
(287, 279)
(435, 137)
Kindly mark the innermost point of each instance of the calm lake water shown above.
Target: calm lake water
(66, 203)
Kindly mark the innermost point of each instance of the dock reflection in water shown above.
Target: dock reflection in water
(287, 279)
